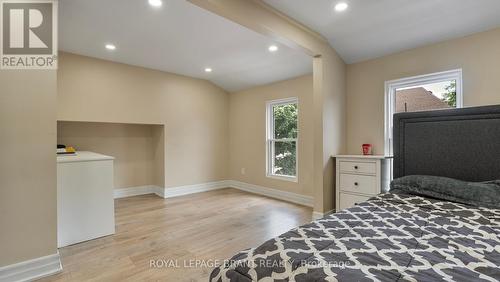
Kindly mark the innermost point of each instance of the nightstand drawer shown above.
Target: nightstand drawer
(358, 167)
(349, 200)
(358, 183)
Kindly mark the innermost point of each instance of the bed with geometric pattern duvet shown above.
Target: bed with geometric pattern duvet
(391, 237)
(440, 221)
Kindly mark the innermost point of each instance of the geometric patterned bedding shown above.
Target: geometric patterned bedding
(391, 237)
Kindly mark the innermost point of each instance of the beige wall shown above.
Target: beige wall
(330, 73)
(247, 119)
(478, 55)
(27, 165)
(194, 111)
(132, 145)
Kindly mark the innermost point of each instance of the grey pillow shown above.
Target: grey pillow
(481, 194)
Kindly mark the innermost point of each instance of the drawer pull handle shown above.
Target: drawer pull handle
(356, 184)
(356, 167)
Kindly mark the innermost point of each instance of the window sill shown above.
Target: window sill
(283, 177)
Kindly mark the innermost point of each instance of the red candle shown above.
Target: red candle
(367, 149)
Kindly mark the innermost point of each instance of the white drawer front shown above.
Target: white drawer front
(358, 183)
(358, 167)
(349, 200)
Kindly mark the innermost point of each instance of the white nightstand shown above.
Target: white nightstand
(360, 178)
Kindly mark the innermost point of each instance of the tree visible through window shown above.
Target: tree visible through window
(450, 96)
(282, 138)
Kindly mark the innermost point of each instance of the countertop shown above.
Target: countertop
(363, 156)
(83, 156)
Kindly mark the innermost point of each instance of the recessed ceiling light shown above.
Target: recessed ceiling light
(341, 6)
(155, 3)
(208, 69)
(273, 48)
(110, 47)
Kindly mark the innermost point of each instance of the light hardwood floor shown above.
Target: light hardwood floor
(206, 226)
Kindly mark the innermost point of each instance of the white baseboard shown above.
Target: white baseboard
(318, 215)
(31, 269)
(272, 193)
(210, 186)
(136, 191)
(159, 191)
(196, 188)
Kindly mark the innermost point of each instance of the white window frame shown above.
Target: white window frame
(393, 85)
(270, 139)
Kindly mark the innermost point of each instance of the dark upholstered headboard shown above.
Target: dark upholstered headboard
(462, 144)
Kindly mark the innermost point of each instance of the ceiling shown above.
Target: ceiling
(178, 37)
(373, 28)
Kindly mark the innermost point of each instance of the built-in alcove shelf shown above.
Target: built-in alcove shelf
(139, 149)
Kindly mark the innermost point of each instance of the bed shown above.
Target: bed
(422, 232)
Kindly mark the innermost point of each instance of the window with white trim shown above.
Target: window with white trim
(282, 138)
(435, 91)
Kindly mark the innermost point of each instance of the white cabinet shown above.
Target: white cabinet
(359, 178)
(85, 204)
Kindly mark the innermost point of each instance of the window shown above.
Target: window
(282, 134)
(434, 91)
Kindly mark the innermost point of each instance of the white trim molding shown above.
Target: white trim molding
(210, 186)
(273, 193)
(195, 188)
(138, 190)
(31, 269)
